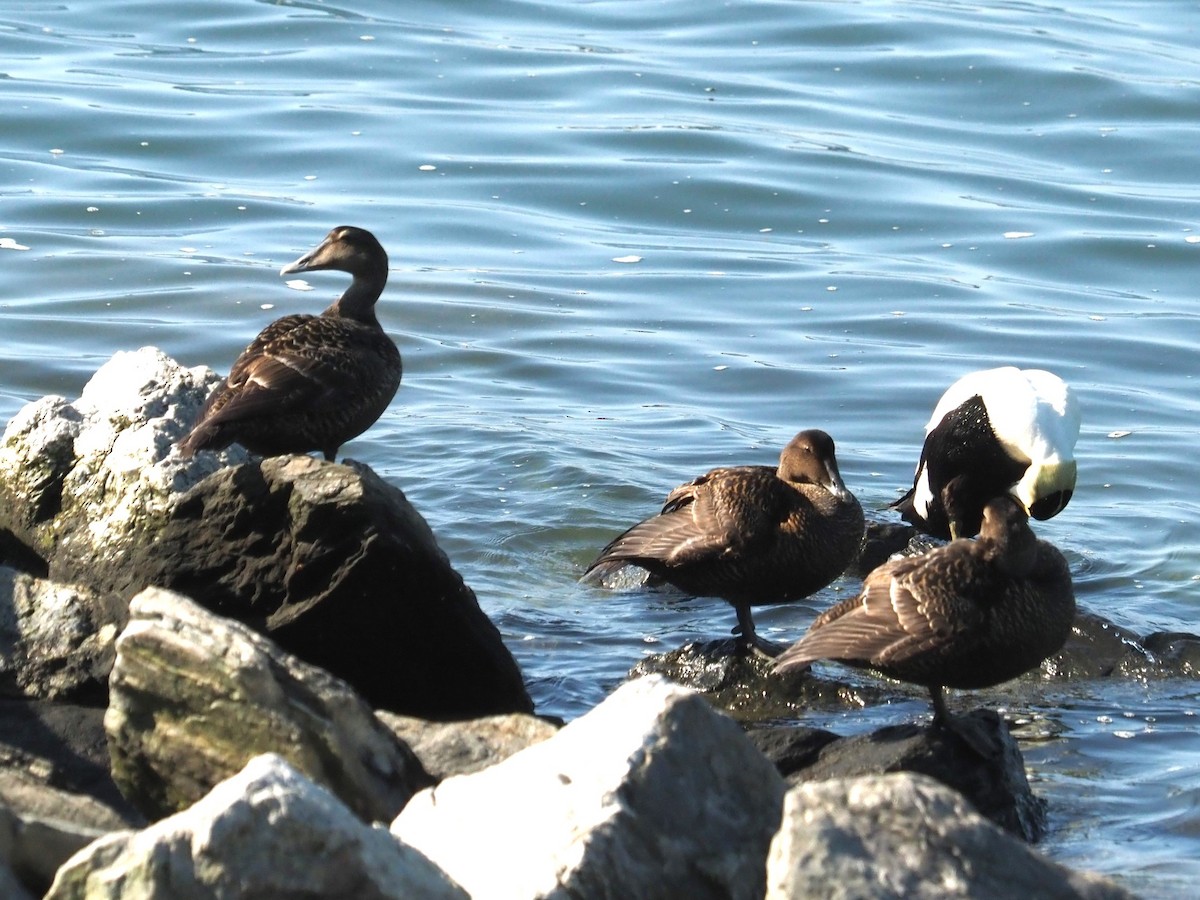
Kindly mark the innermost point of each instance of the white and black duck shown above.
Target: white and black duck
(1004, 430)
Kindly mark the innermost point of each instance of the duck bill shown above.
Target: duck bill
(1045, 491)
(833, 480)
(313, 259)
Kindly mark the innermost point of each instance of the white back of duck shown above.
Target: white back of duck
(1035, 417)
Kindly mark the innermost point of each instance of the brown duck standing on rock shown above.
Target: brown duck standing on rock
(969, 614)
(751, 535)
(310, 382)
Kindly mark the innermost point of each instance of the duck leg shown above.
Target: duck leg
(748, 639)
(965, 729)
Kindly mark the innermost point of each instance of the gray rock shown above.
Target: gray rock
(32, 848)
(195, 696)
(908, 836)
(56, 641)
(11, 887)
(460, 748)
(651, 794)
(305, 550)
(266, 832)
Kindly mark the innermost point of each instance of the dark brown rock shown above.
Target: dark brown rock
(339, 569)
(994, 784)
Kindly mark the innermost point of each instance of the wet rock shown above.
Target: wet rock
(745, 686)
(266, 832)
(987, 769)
(908, 836)
(651, 794)
(1177, 652)
(195, 696)
(459, 748)
(339, 569)
(56, 641)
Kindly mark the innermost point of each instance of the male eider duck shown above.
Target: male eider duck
(310, 382)
(969, 614)
(1004, 430)
(751, 535)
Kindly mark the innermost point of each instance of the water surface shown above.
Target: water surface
(634, 240)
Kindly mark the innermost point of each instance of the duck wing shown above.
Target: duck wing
(294, 362)
(722, 513)
(906, 610)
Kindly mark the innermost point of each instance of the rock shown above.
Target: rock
(195, 696)
(266, 832)
(745, 686)
(459, 748)
(908, 836)
(792, 747)
(32, 849)
(56, 641)
(92, 493)
(54, 764)
(651, 794)
(995, 785)
(81, 483)
(305, 549)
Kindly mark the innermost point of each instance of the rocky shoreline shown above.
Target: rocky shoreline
(216, 681)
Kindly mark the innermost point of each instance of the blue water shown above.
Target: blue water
(634, 240)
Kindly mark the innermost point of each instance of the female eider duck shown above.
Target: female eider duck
(968, 614)
(751, 535)
(310, 382)
(1003, 430)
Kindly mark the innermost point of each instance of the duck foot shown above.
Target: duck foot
(967, 729)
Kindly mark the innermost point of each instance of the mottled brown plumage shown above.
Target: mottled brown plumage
(970, 614)
(310, 382)
(750, 534)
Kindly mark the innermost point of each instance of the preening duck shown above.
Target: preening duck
(750, 534)
(969, 614)
(1004, 430)
(310, 382)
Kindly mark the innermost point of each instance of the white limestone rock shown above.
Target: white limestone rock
(266, 832)
(55, 639)
(83, 478)
(651, 794)
(907, 835)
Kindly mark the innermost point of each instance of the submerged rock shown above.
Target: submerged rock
(265, 832)
(908, 836)
(651, 794)
(195, 696)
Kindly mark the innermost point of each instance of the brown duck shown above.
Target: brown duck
(751, 535)
(310, 382)
(969, 614)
